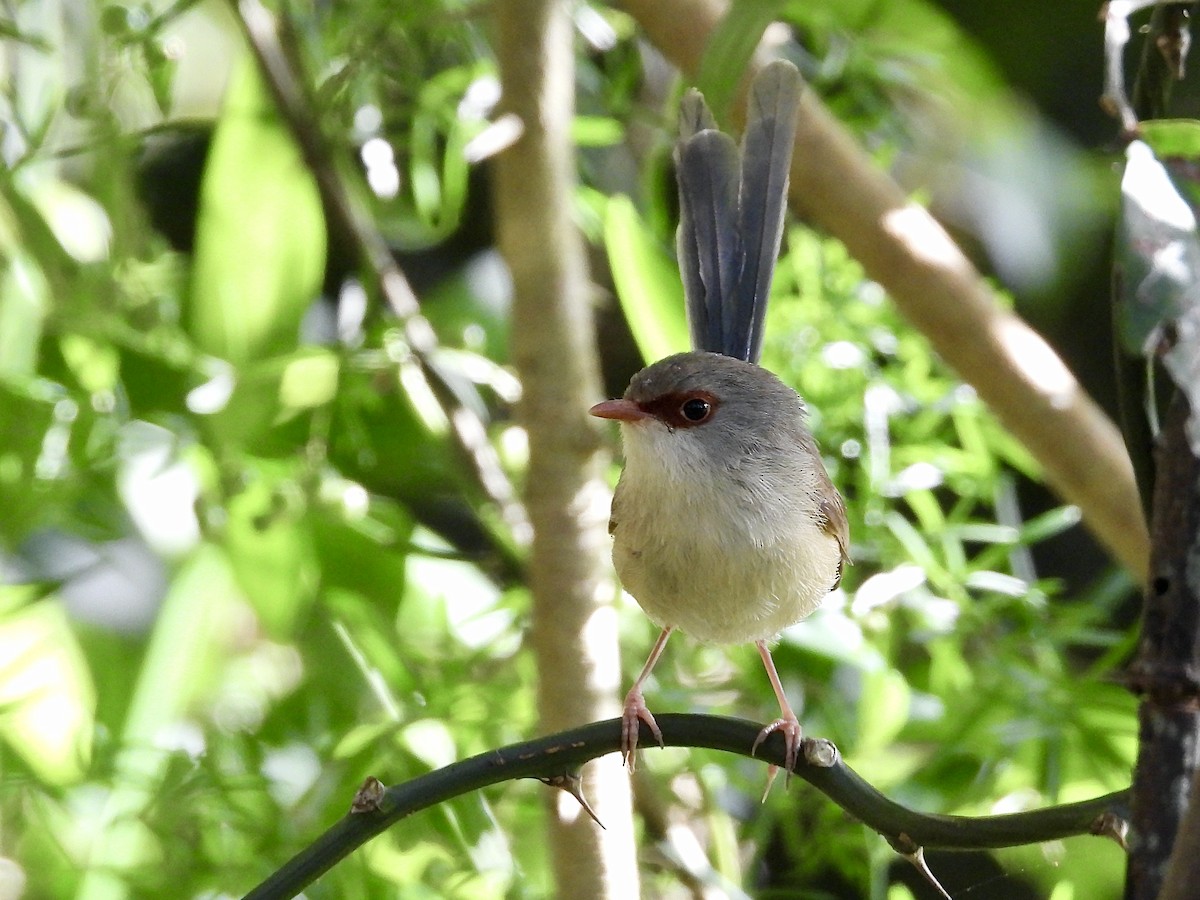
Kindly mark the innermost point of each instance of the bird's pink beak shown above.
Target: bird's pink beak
(621, 410)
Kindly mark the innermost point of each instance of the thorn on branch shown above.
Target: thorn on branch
(1111, 825)
(915, 854)
(572, 783)
(368, 798)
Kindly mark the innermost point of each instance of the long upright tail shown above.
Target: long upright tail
(731, 211)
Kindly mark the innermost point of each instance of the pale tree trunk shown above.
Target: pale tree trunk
(574, 634)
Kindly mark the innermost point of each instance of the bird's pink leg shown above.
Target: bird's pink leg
(635, 706)
(786, 723)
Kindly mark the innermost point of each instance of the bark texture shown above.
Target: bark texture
(574, 632)
(1166, 672)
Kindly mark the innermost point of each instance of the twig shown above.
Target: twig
(566, 751)
(900, 245)
(1115, 15)
(1163, 62)
(354, 225)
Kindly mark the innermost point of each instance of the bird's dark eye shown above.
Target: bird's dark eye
(696, 409)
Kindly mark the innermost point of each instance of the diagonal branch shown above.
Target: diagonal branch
(564, 753)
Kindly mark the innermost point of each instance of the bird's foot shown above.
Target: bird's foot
(635, 713)
(790, 728)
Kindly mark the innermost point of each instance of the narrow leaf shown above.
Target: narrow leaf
(260, 241)
(46, 693)
(647, 282)
(729, 50)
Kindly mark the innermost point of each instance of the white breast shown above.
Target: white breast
(729, 559)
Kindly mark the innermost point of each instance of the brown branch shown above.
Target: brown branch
(574, 635)
(1164, 858)
(1166, 671)
(835, 185)
(1183, 870)
(351, 222)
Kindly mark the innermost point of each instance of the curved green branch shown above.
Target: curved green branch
(565, 752)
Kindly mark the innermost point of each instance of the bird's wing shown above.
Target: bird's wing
(831, 508)
(833, 513)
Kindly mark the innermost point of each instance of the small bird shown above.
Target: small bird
(725, 523)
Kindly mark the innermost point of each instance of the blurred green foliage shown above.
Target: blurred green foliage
(244, 568)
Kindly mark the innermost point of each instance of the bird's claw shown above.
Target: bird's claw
(635, 713)
(790, 728)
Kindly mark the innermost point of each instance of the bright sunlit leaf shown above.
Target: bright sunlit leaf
(95, 364)
(596, 131)
(430, 741)
(647, 281)
(882, 708)
(78, 221)
(24, 300)
(185, 648)
(260, 240)
(1172, 137)
(47, 698)
(309, 380)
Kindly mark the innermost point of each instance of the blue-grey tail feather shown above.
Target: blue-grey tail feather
(732, 212)
(694, 114)
(709, 173)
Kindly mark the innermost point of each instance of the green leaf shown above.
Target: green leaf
(187, 648)
(309, 380)
(647, 282)
(267, 398)
(77, 221)
(94, 364)
(46, 693)
(729, 49)
(1172, 137)
(270, 549)
(260, 240)
(596, 131)
(882, 709)
(1049, 524)
(24, 301)
(26, 495)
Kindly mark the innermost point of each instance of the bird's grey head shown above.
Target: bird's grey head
(716, 395)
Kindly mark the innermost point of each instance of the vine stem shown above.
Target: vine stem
(557, 758)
